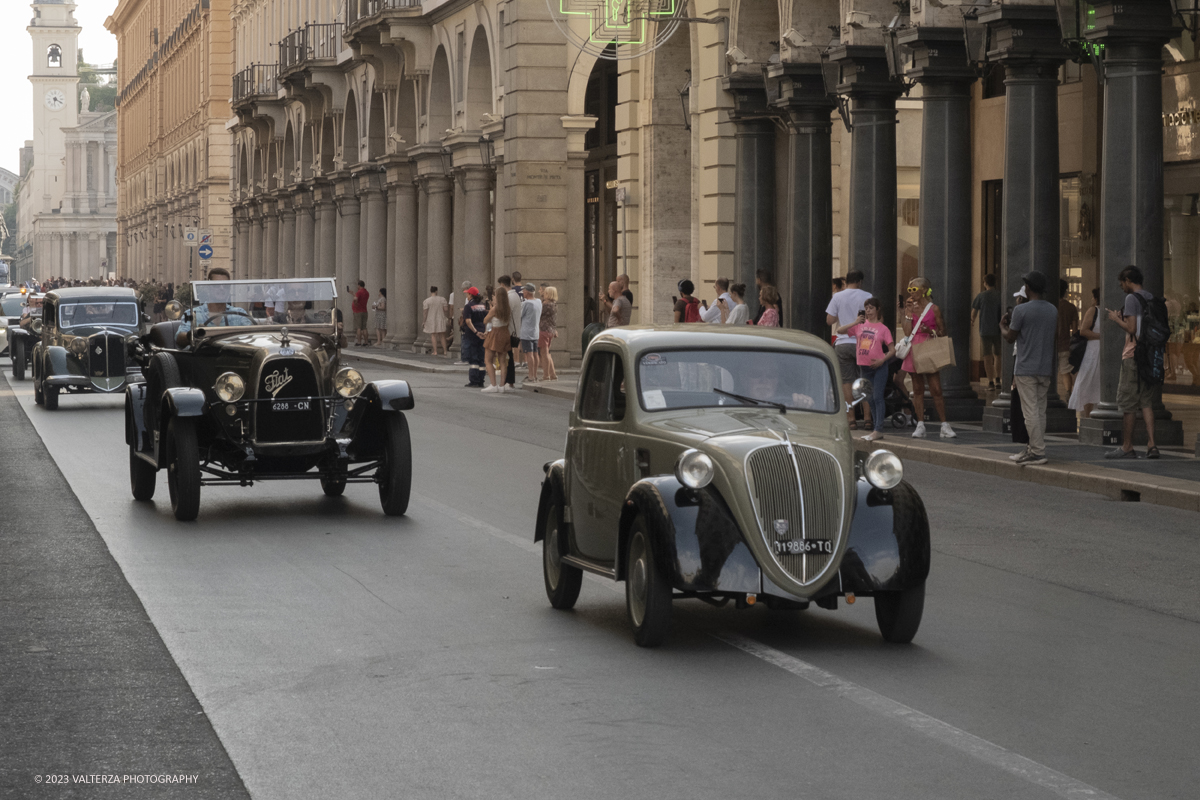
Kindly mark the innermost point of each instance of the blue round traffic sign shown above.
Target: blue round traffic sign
(206, 251)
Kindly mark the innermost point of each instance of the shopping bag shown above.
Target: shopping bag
(933, 354)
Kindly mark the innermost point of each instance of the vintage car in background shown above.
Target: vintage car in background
(717, 464)
(253, 391)
(12, 304)
(83, 345)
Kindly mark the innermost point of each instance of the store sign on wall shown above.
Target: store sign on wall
(1181, 117)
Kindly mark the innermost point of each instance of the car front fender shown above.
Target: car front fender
(888, 548)
(391, 395)
(57, 363)
(695, 538)
(135, 416)
(364, 422)
(184, 402)
(552, 495)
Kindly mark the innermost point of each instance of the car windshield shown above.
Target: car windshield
(280, 302)
(12, 305)
(672, 379)
(76, 315)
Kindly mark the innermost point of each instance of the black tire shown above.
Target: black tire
(17, 352)
(563, 581)
(183, 469)
(333, 486)
(647, 593)
(395, 470)
(50, 398)
(899, 613)
(37, 390)
(161, 373)
(142, 476)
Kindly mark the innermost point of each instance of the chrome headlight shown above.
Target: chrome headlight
(173, 310)
(694, 469)
(883, 470)
(78, 345)
(230, 387)
(349, 382)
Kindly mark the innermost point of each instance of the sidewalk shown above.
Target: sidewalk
(1173, 480)
(423, 362)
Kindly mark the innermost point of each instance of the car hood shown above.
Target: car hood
(756, 426)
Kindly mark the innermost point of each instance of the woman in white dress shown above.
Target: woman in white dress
(1086, 393)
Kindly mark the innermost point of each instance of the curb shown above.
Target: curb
(1112, 483)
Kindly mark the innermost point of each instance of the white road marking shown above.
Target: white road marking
(981, 749)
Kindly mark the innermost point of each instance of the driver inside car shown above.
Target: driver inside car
(222, 313)
(765, 384)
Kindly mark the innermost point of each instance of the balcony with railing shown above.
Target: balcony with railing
(358, 10)
(312, 43)
(255, 81)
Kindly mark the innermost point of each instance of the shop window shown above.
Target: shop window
(54, 56)
(1181, 287)
(1077, 260)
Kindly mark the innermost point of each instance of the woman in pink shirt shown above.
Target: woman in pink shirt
(871, 334)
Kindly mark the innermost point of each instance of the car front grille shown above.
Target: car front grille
(797, 499)
(299, 380)
(106, 356)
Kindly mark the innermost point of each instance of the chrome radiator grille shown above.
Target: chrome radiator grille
(800, 499)
(106, 356)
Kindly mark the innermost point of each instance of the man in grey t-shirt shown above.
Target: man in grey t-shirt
(1033, 325)
(621, 307)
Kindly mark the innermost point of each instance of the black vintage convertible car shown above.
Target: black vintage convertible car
(246, 386)
(82, 343)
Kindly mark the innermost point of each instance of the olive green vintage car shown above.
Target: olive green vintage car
(716, 463)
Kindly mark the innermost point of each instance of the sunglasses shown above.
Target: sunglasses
(915, 289)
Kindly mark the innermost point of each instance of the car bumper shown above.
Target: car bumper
(103, 385)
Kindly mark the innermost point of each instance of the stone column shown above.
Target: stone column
(871, 248)
(476, 233)
(1027, 40)
(808, 239)
(305, 246)
(348, 247)
(287, 239)
(754, 197)
(326, 220)
(241, 238)
(271, 240)
(941, 68)
(374, 244)
(257, 229)
(1131, 191)
(441, 230)
(402, 279)
(422, 340)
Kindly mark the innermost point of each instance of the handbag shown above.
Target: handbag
(905, 344)
(1077, 347)
(933, 354)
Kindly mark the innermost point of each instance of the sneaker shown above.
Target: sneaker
(873, 436)
(1017, 455)
(1152, 452)
(1030, 459)
(493, 389)
(919, 433)
(508, 388)
(1119, 453)
(947, 432)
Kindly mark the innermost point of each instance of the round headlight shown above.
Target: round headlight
(349, 382)
(78, 345)
(883, 470)
(230, 387)
(173, 310)
(694, 469)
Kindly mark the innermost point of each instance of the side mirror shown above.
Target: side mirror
(173, 310)
(860, 390)
(36, 326)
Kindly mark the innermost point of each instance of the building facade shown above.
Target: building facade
(174, 64)
(8, 186)
(67, 204)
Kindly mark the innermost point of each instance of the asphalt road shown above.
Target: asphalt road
(339, 653)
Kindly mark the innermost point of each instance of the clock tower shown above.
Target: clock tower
(55, 82)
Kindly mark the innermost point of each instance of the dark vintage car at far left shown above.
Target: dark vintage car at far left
(86, 334)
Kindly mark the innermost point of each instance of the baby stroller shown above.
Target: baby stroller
(897, 404)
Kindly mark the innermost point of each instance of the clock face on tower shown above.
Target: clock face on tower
(55, 99)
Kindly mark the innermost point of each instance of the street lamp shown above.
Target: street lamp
(685, 99)
(487, 151)
(831, 75)
(447, 162)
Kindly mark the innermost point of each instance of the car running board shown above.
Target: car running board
(588, 566)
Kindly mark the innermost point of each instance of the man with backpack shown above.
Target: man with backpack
(1144, 321)
(687, 307)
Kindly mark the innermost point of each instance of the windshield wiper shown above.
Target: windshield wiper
(782, 408)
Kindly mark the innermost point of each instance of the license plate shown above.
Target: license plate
(291, 405)
(798, 547)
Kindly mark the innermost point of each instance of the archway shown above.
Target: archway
(350, 141)
(377, 128)
(289, 155)
(243, 169)
(306, 152)
(272, 167)
(479, 81)
(441, 114)
(600, 203)
(328, 146)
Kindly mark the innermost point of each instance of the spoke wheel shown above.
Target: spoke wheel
(183, 469)
(563, 581)
(17, 353)
(647, 594)
(899, 613)
(142, 476)
(395, 471)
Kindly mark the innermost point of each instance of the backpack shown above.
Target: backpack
(691, 312)
(1150, 352)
